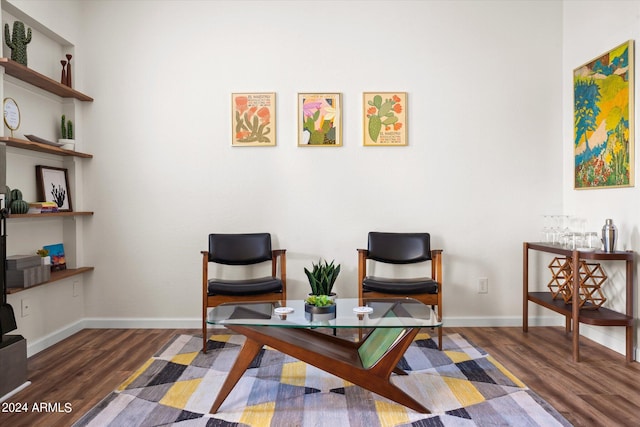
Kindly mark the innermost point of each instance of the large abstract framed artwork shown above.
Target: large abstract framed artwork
(319, 120)
(603, 120)
(253, 119)
(384, 118)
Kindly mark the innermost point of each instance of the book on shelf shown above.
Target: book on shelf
(42, 207)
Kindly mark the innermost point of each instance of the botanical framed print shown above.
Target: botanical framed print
(603, 120)
(253, 119)
(319, 120)
(52, 185)
(384, 118)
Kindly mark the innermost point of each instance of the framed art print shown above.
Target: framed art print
(53, 186)
(603, 120)
(253, 119)
(319, 120)
(58, 259)
(384, 118)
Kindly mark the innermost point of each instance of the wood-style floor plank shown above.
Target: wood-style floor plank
(601, 390)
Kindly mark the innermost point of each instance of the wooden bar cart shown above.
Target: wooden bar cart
(573, 313)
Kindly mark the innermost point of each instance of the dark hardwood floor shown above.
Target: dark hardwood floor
(601, 390)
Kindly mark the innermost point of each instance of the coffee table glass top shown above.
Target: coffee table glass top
(379, 313)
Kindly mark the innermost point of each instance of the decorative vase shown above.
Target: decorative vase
(69, 82)
(63, 75)
(67, 144)
(314, 313)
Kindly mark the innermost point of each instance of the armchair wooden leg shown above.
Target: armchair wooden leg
(204, 335)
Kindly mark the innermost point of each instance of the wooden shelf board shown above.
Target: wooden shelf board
(43, 148)
(49, 215)
(600, 317)
(55, 276)
(30, 76)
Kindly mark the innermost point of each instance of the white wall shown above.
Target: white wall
(589, 30)
(484, 161)
(483, 82)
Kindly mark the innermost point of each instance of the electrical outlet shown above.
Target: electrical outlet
(483, 285)
(26, 307)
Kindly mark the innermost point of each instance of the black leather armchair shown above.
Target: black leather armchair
(402, 248)
(241, 250)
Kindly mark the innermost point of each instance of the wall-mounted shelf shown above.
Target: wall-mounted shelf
(43, 148)
(55, 276)
(49, 215)
(30, 76)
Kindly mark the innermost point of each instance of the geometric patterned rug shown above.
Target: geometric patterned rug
(461, 385)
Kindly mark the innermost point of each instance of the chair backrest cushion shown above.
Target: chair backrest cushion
(239, 249)
(399, 248)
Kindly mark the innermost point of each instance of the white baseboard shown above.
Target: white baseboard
(40, 344)
(142, 323)
(15, 390)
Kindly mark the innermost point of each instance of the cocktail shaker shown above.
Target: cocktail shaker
(609, 236)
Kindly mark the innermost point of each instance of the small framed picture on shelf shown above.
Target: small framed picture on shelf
(56, 252)
(53, 186)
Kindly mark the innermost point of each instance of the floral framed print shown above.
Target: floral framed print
(384, 118)
(319, 120)
(52, 185)
(253, 119)
(603, 120)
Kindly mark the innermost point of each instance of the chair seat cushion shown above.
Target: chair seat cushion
(420, 285)
(261, 285)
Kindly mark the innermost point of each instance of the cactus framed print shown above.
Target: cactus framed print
(319, 120)
(254, 119)
(52, 185)
(384, 118)
(603, 120)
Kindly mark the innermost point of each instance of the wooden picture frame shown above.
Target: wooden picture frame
(384, 118)
(53, 186)
(603, 120)
(253, 119)
(319, 120)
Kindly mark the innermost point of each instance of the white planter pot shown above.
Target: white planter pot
(68, 144)
(45, 260)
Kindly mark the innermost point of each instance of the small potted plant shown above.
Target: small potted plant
(320, 305)
(66, 134)
(322, 277)
(45, 259)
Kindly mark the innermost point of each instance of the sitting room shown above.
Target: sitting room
(496, 135)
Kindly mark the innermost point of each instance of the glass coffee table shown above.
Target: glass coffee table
(391, 326)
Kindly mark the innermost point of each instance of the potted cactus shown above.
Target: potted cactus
(66, 134)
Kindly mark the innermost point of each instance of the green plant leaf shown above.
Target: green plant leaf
(377, 101)
(375, 125)
(385, 108)
(390, 121)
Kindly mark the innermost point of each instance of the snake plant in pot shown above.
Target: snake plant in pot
(322, 277)
(320, 302)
